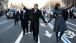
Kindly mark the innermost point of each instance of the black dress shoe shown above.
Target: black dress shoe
(14, 24)
(23, 33)
(36, 42)
(59, 39)
(34, 39)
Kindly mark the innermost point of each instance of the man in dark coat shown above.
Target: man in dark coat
(65, 14)
(35, 15)
(71, 13)
(16, 16)
(24, 20)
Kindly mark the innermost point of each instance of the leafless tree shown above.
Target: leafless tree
(68, 2)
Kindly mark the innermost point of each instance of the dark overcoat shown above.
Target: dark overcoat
(25, 25)
(16, 15)
(35, 19)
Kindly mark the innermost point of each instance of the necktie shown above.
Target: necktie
(34, 11)
(23, 15)
(15, 12)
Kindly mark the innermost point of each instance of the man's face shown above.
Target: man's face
(35, 7)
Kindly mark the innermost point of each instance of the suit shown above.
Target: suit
(34, 26)
(16, 17)
(24, 21)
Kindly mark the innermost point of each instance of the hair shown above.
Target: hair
(56, 6)
(36, 5)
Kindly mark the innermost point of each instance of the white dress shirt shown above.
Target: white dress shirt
(35, 10)
(24, 13)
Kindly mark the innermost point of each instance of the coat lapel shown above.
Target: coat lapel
(36, 11)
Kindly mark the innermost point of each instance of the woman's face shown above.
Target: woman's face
(58, 7)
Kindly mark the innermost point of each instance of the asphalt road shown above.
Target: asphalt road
(10, 33)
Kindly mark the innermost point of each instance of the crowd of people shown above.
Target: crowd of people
(33, 16)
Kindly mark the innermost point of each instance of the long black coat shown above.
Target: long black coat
(35, 19)
(16, 15)
(25, 19)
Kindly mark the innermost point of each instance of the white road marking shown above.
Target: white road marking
(42, 24)
(48, 34)
(69, 34)
(3, 22)
(19, 38)
(21, 35)
(71, 23)
(38, 39)
(71, 28)
(62, 36)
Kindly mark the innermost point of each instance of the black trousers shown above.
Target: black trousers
(23, 26)
(16, 21)
(35, 34)
(71, 15)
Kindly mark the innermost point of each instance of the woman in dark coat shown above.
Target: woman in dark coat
(60, 24)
